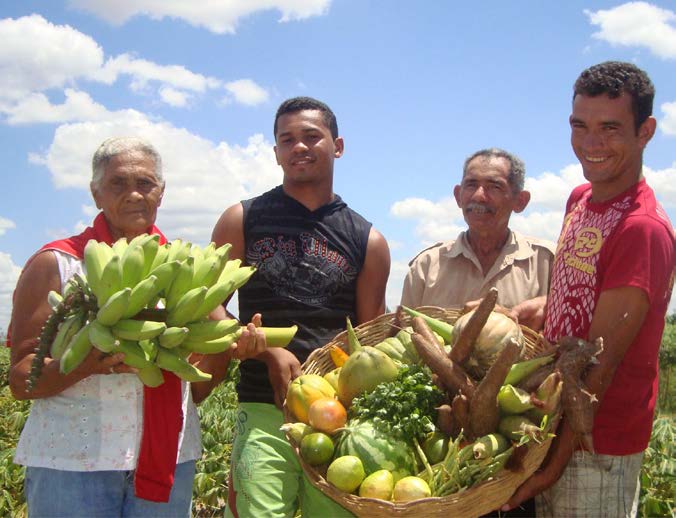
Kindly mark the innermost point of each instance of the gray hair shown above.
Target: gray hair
(114, 146)
(517, 169)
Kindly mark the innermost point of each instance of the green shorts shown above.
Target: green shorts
(266, 476)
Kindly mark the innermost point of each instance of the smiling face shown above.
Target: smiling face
(129, 194)
(305, 148)
(486, 197)
(607, 143)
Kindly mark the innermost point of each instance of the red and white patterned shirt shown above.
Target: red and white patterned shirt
(625, 241)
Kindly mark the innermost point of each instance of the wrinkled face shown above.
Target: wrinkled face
(129, 194)
(486, 197)
(606, 143)
(305, 148)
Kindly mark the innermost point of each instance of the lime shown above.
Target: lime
(410, 488)
(316, 448)
(346, 473)
(378, 484)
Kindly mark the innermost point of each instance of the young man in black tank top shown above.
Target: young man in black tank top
(317, 262)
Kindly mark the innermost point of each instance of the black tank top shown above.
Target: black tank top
(307, 266)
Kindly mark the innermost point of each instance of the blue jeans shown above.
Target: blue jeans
(98, 494)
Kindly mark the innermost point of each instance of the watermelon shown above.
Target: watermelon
(376, 450)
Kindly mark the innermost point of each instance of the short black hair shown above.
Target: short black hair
(615, 77)
(296, 104)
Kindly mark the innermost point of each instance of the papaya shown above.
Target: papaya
(363, 371)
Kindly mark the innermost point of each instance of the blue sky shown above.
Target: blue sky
(416, 87)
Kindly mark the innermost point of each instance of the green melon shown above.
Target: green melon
(376, 450)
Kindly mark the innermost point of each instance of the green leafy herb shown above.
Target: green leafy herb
(405, 407)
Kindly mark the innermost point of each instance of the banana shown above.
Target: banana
(182, 282)
(179, 250)
(141, 294)
(208, 271)
(54, 298)
(67, 329)
(220, 291)
(132, 265)
(120, 246)
(165, 274)
(209, 250)
(224, 251)
(168, 360)
(198, 257)
(151, 247)
(182, 352)
(187, 305)
(215, 346)
(76, 352)
(102, 337)
(150, 348)
(173, 248)
(230, 266)
(173, 337)
(114, 308)
(129, 329)
(151, 376)
(160, 256)
(96, 256)
(111, 279)
(134, 355)
(210, 329)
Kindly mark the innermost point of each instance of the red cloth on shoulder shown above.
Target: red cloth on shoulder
(162, 409)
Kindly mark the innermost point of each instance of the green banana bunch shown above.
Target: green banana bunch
(152, 302)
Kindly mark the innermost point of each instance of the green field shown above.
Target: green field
(217, 414)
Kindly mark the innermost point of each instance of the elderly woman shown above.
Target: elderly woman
(97, 442)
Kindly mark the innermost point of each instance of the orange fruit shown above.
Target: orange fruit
(346, 473)
(316, 448)
(327, 415)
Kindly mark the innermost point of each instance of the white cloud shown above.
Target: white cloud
(395, 283)
(668, 123)
(203, 178)
(173, 97)
(36, 55)
(9, 273)
(662, 182)
(218, 17)
(543, 225)
(435, 221)
(143, 71)
(551, 190)
(637, 24)
(6, 224)
(246, 91)
(36, 107)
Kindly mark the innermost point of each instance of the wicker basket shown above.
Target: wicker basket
(480, 499)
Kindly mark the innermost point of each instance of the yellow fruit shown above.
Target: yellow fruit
(378, 484)
(305, 390)
(316, 448)
(410, 488)
(346, 473)
(332, 377)
(327, 415)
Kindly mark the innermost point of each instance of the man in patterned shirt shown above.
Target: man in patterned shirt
(612, 278)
